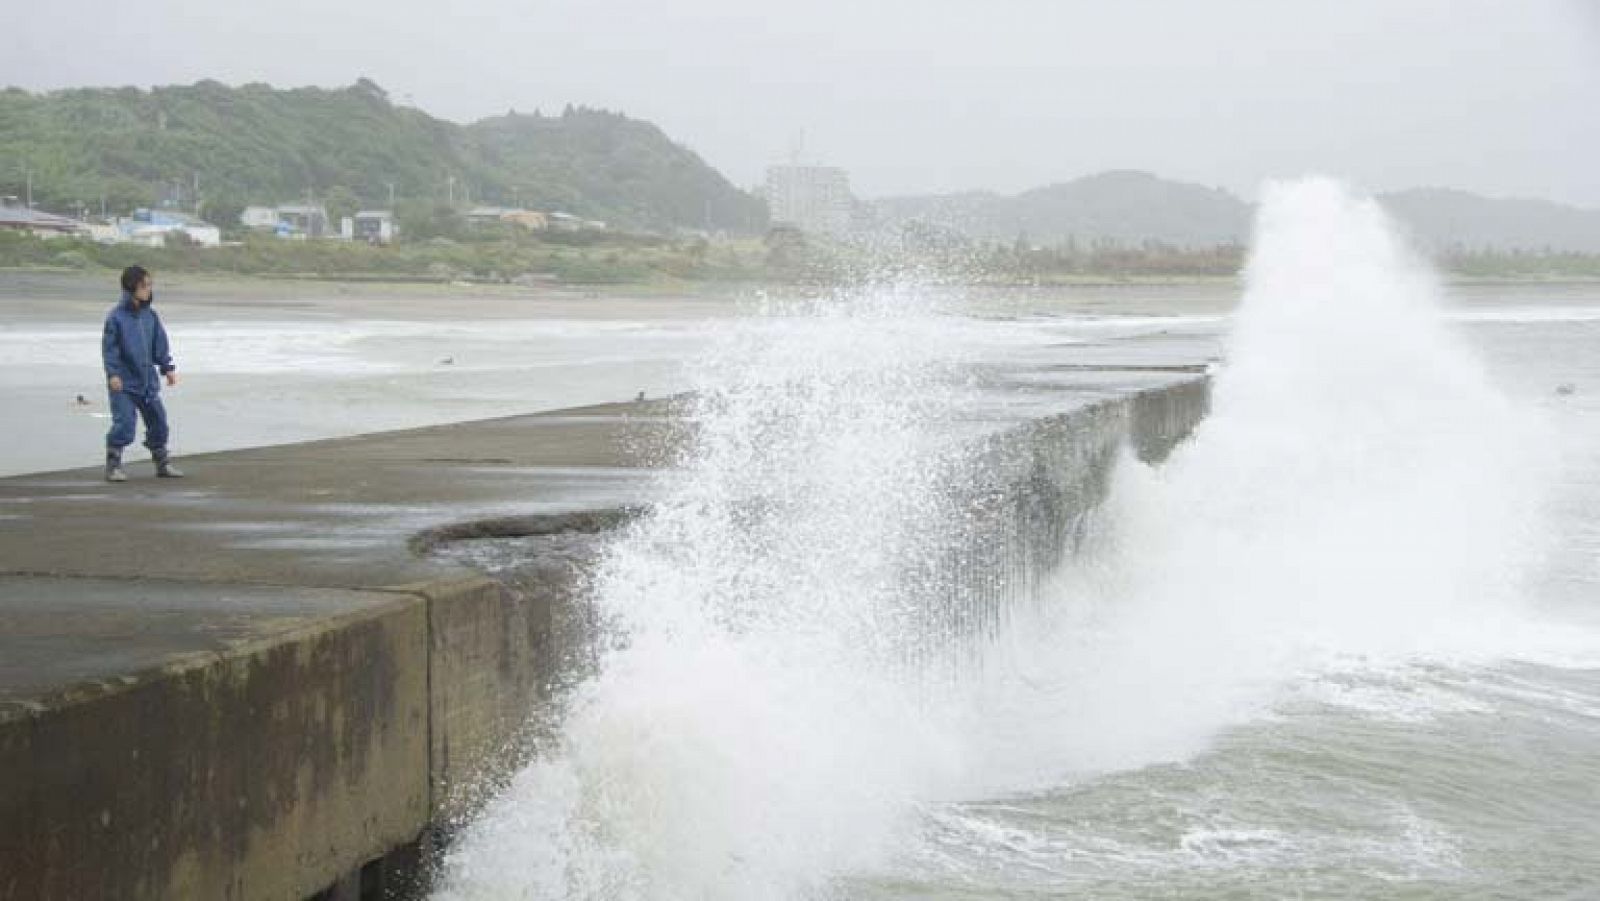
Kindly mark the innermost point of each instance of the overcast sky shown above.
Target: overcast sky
(916, 96)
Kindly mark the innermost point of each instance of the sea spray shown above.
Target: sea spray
(1361, 491)
(753, 728)
(1310, 655)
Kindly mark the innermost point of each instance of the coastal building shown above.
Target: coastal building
(301, 220)
(104, 232)
(486, 215)
(371, 226)
(532, 220)
(18, 218)
(290, 220)
(262, 217)
(157, 228)
(813, 199)
(566, 222)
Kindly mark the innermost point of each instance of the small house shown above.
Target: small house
(532, 220)
(372, 226)
(16, 217)
(302, 220)
(259, 217)
(157, 228)
(566, 222)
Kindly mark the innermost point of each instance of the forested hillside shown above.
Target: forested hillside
(229, 146)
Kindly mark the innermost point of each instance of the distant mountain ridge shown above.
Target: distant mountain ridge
(1130, 207)
(129, 147)
(1124, 206)
(1445, 218)
(260, 144)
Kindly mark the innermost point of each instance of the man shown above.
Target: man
(135, 349)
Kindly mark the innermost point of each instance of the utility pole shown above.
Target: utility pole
(28, 174)
(451, 182)
(391, 195)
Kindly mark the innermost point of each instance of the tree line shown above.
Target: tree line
(212, 148)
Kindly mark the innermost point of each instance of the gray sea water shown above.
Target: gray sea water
(1343, 643)
(1401, 778)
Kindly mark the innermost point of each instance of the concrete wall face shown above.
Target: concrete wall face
(261, 774)
(1163, 419)
(1028, 501)
(1021, 501)
(488, 648)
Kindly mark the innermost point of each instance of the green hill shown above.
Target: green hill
(258, 144)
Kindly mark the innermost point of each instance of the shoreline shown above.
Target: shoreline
(684, 288)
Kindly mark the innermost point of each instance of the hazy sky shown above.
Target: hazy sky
(917, 96)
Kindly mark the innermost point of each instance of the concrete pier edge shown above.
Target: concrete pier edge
(311, 739)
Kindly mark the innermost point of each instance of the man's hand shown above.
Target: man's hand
(172, 378)
(114, 383)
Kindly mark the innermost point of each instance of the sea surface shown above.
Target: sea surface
(1343, 643)
(1468, 770)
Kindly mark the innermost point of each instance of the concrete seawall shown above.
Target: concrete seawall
(250, 686)
(1033, 490)
(257, 771)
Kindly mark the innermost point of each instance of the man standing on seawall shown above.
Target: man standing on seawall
(135, 348)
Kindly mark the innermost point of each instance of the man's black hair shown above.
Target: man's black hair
(131, 277)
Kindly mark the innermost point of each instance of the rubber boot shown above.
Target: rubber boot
(164, 467)
(114, 472)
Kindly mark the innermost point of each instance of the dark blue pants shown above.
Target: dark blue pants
(125, 410)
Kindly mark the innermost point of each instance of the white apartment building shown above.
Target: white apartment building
(811, 198)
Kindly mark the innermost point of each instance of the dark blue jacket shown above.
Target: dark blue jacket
(135, 348)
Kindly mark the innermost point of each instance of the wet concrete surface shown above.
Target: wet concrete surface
(247, 683)
(340, 513)
(331, 514)
(281, 598)
(102, 634)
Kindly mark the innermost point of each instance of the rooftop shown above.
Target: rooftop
(23, 217)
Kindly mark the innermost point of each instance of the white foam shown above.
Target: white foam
(370, 347)
(749, 736)
(1361, 492)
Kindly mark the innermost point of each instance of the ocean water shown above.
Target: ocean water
(1343, 643)
(1376, 675)
(285, 375)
